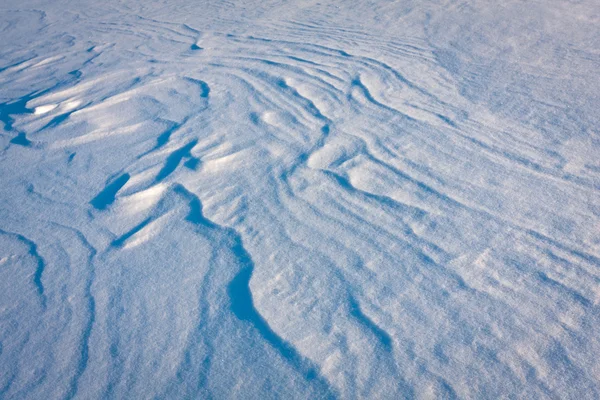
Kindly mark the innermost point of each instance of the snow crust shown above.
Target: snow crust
(299, 199)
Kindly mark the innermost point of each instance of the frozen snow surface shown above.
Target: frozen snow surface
(299, 199)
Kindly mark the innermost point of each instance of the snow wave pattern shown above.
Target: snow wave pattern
(285, 201)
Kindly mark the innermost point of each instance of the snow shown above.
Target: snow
(302, 199)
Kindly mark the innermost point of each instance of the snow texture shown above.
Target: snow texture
(299, 199)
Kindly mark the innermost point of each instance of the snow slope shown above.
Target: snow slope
(299, 199)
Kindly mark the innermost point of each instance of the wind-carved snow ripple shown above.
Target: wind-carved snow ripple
(311, 220)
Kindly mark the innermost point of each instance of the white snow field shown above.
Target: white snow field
(368, 199)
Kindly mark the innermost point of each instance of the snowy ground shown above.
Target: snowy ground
(299, 199)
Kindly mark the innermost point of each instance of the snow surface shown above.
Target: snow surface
(299, 199)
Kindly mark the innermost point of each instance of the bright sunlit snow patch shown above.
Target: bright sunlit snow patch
(44, 109)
